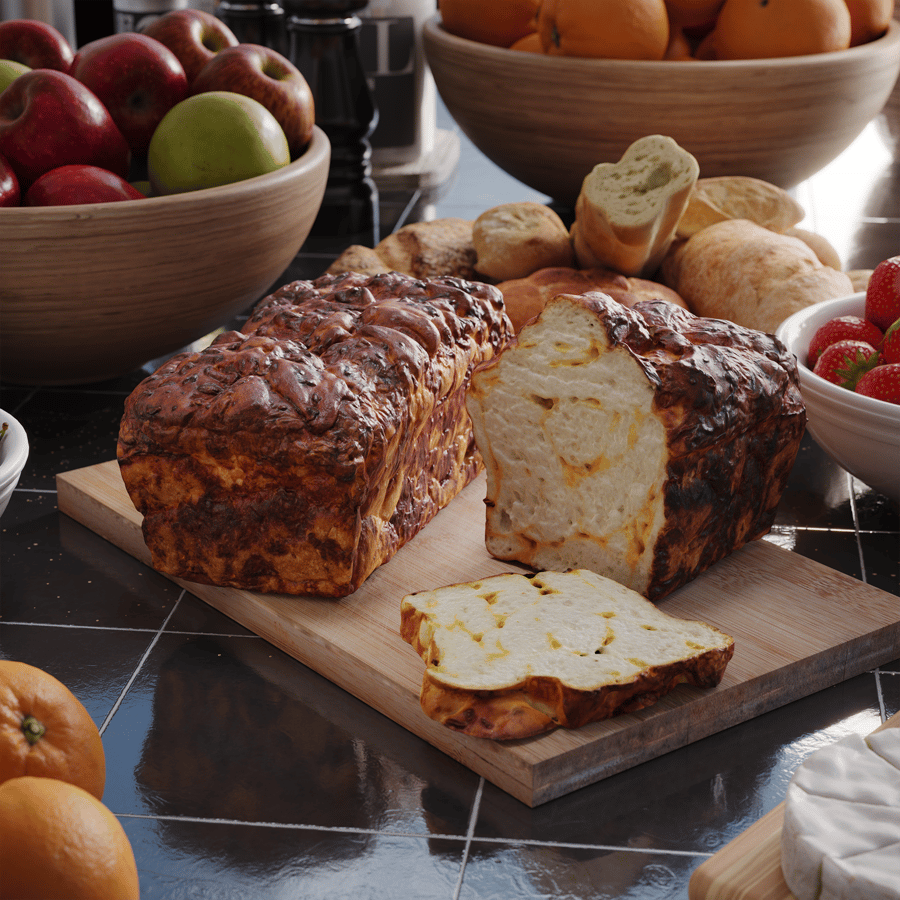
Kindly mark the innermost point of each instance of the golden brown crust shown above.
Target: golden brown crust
(300, 455)
(526, 297)
(542, 704)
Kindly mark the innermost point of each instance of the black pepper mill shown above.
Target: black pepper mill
(255, 23)
(323, 43)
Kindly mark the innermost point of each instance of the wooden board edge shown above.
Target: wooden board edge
(749, 866)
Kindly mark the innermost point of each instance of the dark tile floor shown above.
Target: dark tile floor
(237, 772)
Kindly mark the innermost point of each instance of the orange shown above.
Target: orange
(679, 46)
(604, 29)
(763, 29)
(57, 840)
(497, 22)
(869, 19)
(45, 730)
(531, 43)
(693, 13)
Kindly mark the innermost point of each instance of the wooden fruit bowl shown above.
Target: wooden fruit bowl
(91, 292)
(548, 120)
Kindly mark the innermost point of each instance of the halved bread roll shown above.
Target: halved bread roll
(627, 212)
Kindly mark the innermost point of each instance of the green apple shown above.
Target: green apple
(10, 70)
(214, 138)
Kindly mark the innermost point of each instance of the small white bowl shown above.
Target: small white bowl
(13, 454)
(859, 433)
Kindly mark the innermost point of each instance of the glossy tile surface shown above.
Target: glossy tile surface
(237, 772)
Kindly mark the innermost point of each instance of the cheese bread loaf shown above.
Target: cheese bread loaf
(516, 655)
(526, 297)
(740, 271)
(644, 444)
(300, 455)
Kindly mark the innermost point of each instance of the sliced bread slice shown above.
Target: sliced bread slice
(515, 655)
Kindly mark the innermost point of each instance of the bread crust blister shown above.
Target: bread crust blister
(298, 456)
(513, 656)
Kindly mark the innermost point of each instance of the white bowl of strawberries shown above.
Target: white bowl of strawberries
(848, 355)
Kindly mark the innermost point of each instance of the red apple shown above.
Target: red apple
(193, 35)
(137, 79)
(269, 78)
(9, 185)
(35, 44)
(69, 185)
(49, 119)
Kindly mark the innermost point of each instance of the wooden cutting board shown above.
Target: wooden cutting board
(749, 867)
(798, 627)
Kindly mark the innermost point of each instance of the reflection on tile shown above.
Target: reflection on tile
(501, 871)
(184, 858)
(57, 571)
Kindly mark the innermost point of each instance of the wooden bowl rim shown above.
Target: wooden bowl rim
(433, 28)
(319, 148)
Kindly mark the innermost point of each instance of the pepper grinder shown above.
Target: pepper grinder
(323, 43)
(255, 23)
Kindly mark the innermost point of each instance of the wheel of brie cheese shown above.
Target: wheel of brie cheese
(841, 833)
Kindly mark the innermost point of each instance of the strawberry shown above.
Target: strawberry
(844, 328)
(883, 293)
(890, 350)
(845, 362)
(882, 383)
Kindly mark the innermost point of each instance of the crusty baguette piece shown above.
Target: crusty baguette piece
(526, 297)
(627, 212)
(513, 240)
(738, 197)
(754, 277)
(420, 249)
(644, 444)
(300, 455)
(514, 655)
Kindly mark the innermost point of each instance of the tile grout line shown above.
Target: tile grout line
(140, 665)
(470, 831)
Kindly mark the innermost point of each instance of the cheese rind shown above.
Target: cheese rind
(841, 832)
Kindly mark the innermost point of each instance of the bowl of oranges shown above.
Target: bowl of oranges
(547, 89)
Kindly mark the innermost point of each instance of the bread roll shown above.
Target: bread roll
(738, 197)
(421, 249)
(643, 444)
(515, 239)
(819, 245)
(627, 212)
(512, 656)
(754, 277)
(299, 456)
(526, 297)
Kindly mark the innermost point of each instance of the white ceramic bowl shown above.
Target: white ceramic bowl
(13, 454)
(860, 433)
